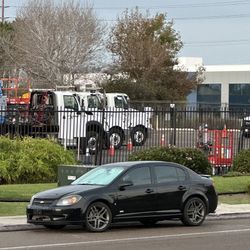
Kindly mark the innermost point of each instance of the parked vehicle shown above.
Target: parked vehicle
(62, 109)
(120, 121)
(145, 191)
(246, 126)
(138, 122)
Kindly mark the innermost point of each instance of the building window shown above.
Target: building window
(239, 96)
(209, 96)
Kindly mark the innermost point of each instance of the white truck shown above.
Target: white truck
(120, 121)
(75, 124)
(85, 118)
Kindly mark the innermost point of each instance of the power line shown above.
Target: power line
(218, 42)
(170, 6)
(213, 17)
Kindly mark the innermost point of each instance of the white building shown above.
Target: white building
(223, 85)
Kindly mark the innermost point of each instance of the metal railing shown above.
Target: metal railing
(105, 136)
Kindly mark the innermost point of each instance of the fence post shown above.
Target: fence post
(172, 124)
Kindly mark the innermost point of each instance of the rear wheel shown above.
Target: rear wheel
(92, 137)
(194, 212)
(138, 136)
(98, 217)
(116, 137)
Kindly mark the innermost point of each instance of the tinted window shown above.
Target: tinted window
(99, 176)
(139, 176)
(181, 174)
(166, 174)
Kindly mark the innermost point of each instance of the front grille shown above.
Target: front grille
(42, 202)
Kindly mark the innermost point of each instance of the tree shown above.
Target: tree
(56, 42)
(6, 46)
(145, 52)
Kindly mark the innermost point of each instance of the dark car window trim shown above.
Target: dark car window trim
(169, 165)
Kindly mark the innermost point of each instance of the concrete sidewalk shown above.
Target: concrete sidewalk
(224, 211)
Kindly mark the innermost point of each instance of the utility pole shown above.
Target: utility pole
(2, 11)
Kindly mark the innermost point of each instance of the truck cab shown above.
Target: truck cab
(120, 121)
(63, 109)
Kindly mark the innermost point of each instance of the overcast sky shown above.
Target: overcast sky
(216, 30)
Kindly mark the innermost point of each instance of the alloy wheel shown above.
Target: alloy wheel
(98, 217)
(194, 212)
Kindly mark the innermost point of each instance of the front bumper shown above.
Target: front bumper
(54, 216)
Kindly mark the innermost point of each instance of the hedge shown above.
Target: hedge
(241, 162)
(31, 160)
(192, 158)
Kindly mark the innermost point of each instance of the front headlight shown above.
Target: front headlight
(69, 200)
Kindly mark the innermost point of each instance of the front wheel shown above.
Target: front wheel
(98, 217)
(194, 212)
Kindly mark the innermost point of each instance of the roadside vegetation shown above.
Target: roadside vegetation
(31, 160)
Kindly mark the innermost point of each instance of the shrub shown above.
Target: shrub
(30, 160)
(241, 162)
(192, 158)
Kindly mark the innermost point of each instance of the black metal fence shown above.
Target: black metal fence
(105, 136)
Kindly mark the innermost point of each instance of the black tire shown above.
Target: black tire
(116, 136)
(98, 217)
(138, 136)
(148, 222)
(54, 226)
(194, 212)
(92, 138)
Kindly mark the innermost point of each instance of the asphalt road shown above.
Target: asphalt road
(213, 234)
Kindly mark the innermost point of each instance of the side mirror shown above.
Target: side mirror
(124, 184)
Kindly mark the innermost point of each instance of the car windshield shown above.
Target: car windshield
(99, 176)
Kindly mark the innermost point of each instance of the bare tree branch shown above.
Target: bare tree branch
(55, 40)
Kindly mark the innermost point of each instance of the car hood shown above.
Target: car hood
(57, 193)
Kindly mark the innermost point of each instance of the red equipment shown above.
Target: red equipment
(221, 148)
(16, 90)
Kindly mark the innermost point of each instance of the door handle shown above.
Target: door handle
(149, 191)
(182, 188)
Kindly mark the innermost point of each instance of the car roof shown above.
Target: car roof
(129, 164)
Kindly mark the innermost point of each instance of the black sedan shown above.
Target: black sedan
(145, 191)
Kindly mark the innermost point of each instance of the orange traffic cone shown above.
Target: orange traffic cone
(129, 145)
(111, 150)
(162, 140)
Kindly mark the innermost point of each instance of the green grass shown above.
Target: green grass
(235, 199)
(12, 208)
(25, 191)
(231, 184)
